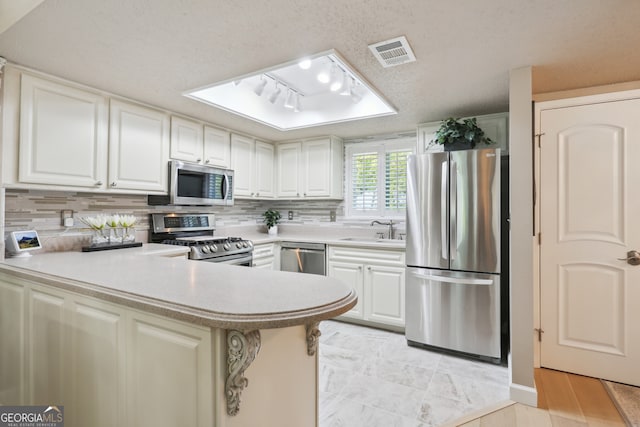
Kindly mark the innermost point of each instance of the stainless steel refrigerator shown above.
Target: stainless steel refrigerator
(454, 221)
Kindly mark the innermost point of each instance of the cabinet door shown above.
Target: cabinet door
(289, 157)
(264, 157)
(169, 367)
(138, 148)
(316, 168)
(63, 135)
(384, 295)
(186, 140)
(217, 147)
(352, 275)
(242, 161)
(97, 377)
(46, 347)
(12, 336)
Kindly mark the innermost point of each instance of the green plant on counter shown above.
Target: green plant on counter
(453, 131)
(271, 217)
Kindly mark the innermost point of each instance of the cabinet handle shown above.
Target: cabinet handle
(252, 194)
(369, 268)
(257, 194)
(113, 184)
(297, 194)
(359, 267)
(305, 194)
(99, 183)
(207, 161)
(198, 160)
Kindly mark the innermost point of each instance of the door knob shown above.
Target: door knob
(633, 258)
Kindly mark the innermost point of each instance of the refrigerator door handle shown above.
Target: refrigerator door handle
(458, 280)
(444, 221)
(453, 243)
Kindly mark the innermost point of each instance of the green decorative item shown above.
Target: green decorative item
(457, 134)
(271, 219)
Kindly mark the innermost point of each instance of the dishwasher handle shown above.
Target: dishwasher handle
(300, 245)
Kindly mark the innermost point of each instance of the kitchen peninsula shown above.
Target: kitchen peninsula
(120, 338)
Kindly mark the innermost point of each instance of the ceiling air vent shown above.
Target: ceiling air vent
(393, 52)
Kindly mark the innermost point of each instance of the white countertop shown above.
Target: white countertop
(327, 235)
(200, 292)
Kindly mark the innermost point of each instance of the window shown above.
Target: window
(377, 177)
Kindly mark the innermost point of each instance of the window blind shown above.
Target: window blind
(364, 182)
(395, 194)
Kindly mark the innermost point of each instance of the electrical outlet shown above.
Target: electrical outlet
(67, 217)
(332, 216)
(290, 215)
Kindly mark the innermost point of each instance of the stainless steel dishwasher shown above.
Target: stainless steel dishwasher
(303, 257)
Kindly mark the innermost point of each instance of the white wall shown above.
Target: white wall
(521, 207)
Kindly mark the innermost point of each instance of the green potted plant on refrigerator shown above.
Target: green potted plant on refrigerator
(460, 134)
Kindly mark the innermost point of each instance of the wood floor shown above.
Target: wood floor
(564, 400)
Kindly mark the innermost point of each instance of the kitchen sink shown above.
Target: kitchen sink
(370, 239)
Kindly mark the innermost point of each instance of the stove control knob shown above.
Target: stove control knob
(213, 248)
(226, 246)
(239, 245)
(205, 249)
(245, 245)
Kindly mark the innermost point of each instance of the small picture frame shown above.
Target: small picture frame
(19, 243)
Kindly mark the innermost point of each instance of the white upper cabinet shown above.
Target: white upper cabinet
(192, 141)
(242, 153)
(217, 147)
(252, 162)
(138, 147)
(495, 126)
(63, 135)
(288, 169)
(310, 169)
(263, 177)
(186, 140)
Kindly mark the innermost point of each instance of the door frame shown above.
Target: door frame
(537, 213)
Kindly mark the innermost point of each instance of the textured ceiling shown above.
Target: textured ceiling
(153, 50)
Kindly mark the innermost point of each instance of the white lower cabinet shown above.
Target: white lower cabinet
(106, 364)
(266, 256)
(169, 367)
(377, 276)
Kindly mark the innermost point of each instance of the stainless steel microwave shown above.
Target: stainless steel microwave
(196, 185)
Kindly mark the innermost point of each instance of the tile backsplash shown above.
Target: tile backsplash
(41, 211)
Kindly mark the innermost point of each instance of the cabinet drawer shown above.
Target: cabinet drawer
(372, 256)
(263, 251)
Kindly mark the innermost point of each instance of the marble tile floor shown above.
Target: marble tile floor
(371, 378)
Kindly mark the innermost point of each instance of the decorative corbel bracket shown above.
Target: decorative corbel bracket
(242, 348)
(313, 334)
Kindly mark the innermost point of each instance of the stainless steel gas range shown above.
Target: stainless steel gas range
(197, 232)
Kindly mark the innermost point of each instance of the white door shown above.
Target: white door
(590, 214)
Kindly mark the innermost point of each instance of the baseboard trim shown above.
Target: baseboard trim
(523, 394)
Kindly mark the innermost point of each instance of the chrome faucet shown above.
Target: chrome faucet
(390, 224)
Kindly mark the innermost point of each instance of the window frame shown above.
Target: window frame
(381, 147)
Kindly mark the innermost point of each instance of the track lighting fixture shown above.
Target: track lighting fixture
(276, 93)
(260, 87)
(317, 89)
(290, 101)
